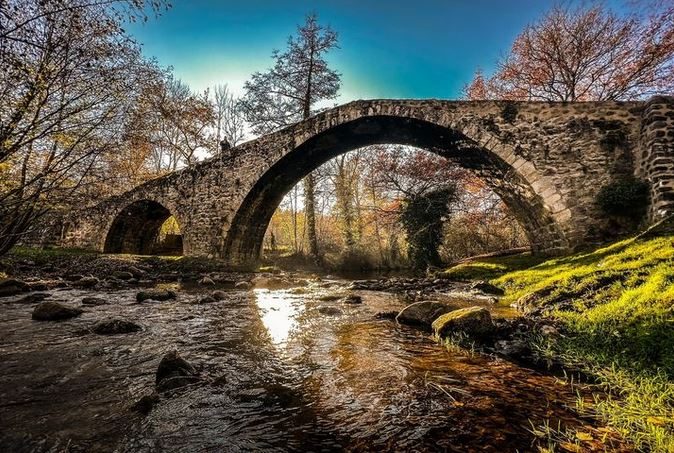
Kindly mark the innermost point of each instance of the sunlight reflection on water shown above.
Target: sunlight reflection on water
(279, 312)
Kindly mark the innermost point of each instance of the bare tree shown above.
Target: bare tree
(287, 92)
(68, 76)
(230, 124)
(587, 53)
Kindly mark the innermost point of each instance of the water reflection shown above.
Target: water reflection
(279, 312)
(281, 372)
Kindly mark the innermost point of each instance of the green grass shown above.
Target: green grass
(491, 267)
(617, 306)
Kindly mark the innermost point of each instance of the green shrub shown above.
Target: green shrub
(627, 197)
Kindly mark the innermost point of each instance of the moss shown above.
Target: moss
(473, 321)
(490, 267)
(616, 305)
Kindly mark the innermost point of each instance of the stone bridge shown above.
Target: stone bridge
(546, 160)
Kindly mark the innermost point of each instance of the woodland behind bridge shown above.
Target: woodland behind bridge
(87, 115)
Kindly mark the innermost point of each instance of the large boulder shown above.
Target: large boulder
(54, 311)
(12, 287)
(423, 313)
(475, 322)
(155, 294)
(175, 372)
(115, 326)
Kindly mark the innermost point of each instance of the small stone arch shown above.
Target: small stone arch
(136, 229)
(243, 239)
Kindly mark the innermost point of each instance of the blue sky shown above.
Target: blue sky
(391, 49)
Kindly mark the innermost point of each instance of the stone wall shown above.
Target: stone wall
(546, 160)
(656, 155)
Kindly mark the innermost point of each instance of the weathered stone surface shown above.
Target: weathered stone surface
(146, 403)
(487, 288)
(243, 285)
(115, 326)
(330, 297)
(175, 372)
(547, 160)
(86, 282)
(155, 294)
(54, 311)
(423, 313)
(206, 281)
(12, 287)
(472, 321)
(33, 298)
(122, 275)
(219, 295)
(352, 299)
(93, 301)
(329, 311)
(271, 282)
(207, 299)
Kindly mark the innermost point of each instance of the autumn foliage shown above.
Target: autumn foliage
(587, 53)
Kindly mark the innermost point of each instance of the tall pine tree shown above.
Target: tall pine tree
(286, 93)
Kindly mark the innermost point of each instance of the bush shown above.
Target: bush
(626, 197)
(422, 218)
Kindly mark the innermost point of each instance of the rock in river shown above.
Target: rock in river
(175, 372)
(219, 295)
(487, 288)
(122, 275)
(12, 287)
(33, 298)
(423, 313)
(352, 299)
(54, 311)
(86, 282)
(146, 403)
(115, 326)
(329, 311)
(243, 285)
(473, 321)
(206, 281)
(93, 301)
(155, 294)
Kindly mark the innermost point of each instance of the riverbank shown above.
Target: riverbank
(613, 309)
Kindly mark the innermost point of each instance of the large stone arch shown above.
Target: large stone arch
(136, 227)
(547, 160)
(512, 181)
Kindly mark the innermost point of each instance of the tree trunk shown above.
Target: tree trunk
(310, 215)
(309, 183)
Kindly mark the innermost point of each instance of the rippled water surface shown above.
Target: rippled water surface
(284, 371)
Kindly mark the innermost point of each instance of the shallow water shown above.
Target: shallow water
(282, 374)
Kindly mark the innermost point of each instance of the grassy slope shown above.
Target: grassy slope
(617, 306)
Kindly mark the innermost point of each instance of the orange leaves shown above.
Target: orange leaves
(586, 53)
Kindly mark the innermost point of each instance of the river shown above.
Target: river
(284, 371)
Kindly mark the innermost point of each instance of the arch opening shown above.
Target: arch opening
(145, 227)
(243, 242)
